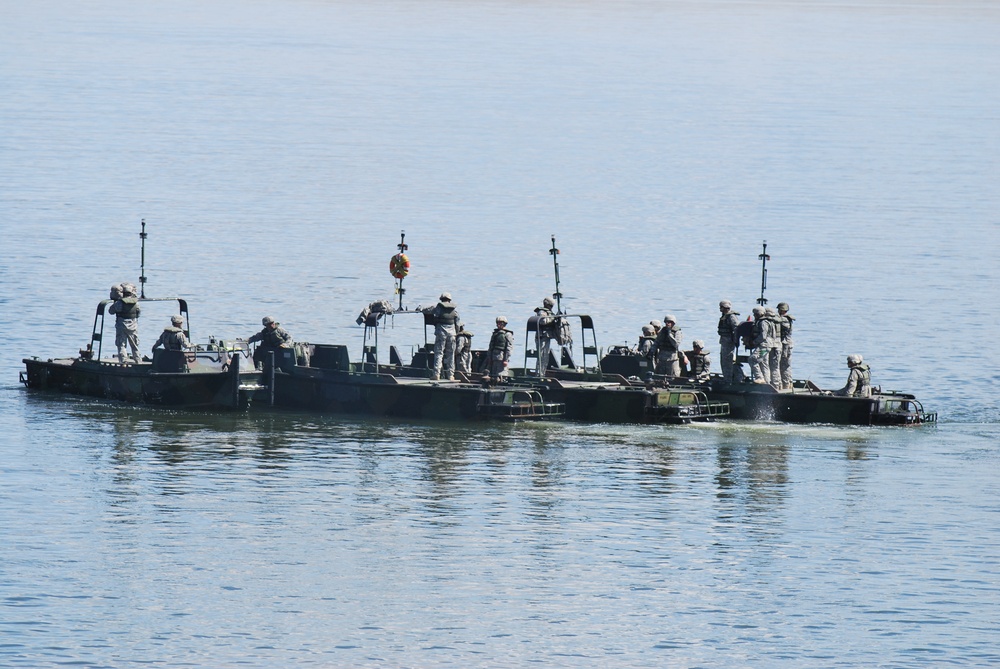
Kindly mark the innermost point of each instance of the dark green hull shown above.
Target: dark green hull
(803, 404)
(350, 392)
(206, 388)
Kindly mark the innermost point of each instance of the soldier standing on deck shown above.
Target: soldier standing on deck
(647, 341)
(785, 321)
(759, 368)
(126, 310)
(463, 350)
(774, 348)
(728, 340)
(501, 348)
(668, 347)
(544, 333)
(445, 318)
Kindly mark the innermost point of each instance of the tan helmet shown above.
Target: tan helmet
(502, 319)
(670, 318)
(445, 297)
(177, 320)
(267, 320)
(547, 302)
(782, 306)
(726, 304)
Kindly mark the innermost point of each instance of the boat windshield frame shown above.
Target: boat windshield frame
(97, 333)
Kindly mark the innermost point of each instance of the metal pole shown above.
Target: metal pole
(555, 264)
(763, 274)
(142, 262)
(399, 282)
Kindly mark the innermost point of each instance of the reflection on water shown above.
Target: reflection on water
(399, 541)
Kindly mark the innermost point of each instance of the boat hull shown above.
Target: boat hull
(223, 387)
(804, 404)
(380, 394)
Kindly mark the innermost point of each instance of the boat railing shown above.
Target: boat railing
(97, 333)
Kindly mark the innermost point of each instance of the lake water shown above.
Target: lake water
(276, 149)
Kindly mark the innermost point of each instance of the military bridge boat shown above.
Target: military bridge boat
(593, 395)
(215, 375)
(805, 402)
(321, 377)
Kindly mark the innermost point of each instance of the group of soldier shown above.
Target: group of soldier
(453, 343)
(768, 337)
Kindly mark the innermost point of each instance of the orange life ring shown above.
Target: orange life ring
(399, 265)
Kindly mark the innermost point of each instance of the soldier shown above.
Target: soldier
(647, 341)
(173, 337)
(463, 350)
(668, 347)
(657, 325)
(445, 317)
(271, 338)
(700, 362)
(858, 381)
(545, 331)
(501, 347)
(785, 321)
(728, 339)
(774, 348)
(759, 348)
(126, 310)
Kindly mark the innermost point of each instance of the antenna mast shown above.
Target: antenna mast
(763, 274)
(399, 266)
(142, 262)
(555, 265)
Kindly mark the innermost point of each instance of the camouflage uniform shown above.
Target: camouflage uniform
(646, 342)
(544, 333)
(785, 321)
(668, 346)
(463, 350)
(126, 310)
(445, 318)
(728, 341)
(760, 346)
(700, 362)
(173, 337)
(501, 347)
(858, 381)
(271, 339)
(774, 348)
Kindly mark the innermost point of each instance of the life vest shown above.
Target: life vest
(786, 326)
(728, 324)
(501, 341)
(127, 308)
(445, 314)
(864, 387)
(668, 339)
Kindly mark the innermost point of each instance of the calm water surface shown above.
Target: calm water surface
(277, 148)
